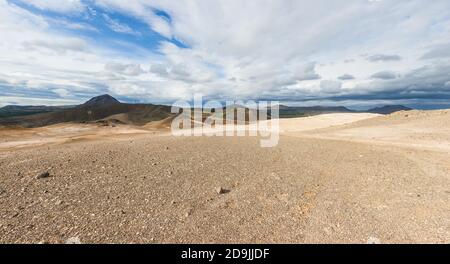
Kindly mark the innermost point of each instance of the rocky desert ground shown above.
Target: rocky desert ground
(338, 178)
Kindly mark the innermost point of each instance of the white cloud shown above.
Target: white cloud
(329, 86)
(264, 49)
(62, 92)
(66, 6)
(59, 45)
(31, 100)
(438, 52)
(236, 48)
(119, 27)
(126, 69)
(306, 72)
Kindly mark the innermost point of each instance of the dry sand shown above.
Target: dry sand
(11, 139)
(332, 179)
(321, 121)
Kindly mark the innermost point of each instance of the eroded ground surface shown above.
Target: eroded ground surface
(321, 185)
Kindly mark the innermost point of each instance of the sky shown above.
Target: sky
(355, 53)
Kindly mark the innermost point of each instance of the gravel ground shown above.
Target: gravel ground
(161, 189)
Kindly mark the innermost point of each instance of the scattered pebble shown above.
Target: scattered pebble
(189, 212)
(221, 190)
(327, 231)
(43, 175)
(275, 176)
(373, 241)
(73, 241)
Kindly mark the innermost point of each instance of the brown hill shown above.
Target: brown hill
(95, 110)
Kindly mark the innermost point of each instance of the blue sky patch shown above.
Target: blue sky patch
(106, 28)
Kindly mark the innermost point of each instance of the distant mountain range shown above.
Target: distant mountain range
(286, 111)
(19, 110)
(106, 109)
(103, 109)
(292, 112)
(389, 109)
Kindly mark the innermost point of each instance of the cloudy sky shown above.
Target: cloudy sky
(355, 53)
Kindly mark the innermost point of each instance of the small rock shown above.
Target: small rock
(59, 202)
(43, 175)
(373, 241)
(189, 212)
(274, 175)
(221, 190)
(327, 231)
(73, 241)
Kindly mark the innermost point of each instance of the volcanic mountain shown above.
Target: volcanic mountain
(105, 99)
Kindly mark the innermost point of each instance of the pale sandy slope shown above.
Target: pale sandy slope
(417, 129)
(322, 121)
(318, 185)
